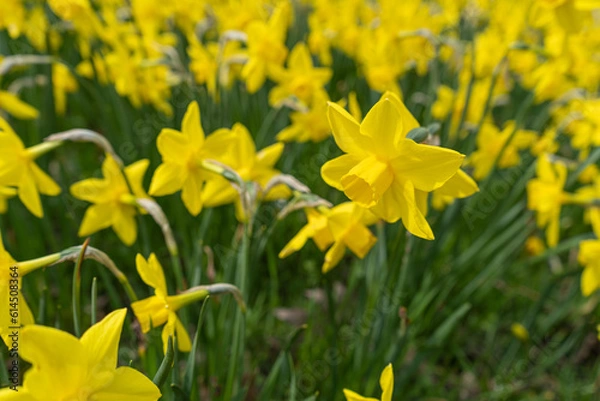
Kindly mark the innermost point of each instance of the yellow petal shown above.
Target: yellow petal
(297, 242)
(217, 192)
(29, 195)
(412, 218)
(101, 341)
(184, 344)
(243, 153)
(124, 224)
(152, 273)
(427, 167)
(191, 125)
(172, 145)
(191, 193)
(16, 107)
(383, 126)
(359, 240)
(150, 312)
(268, 156)
(128, 384)
(460, 185)
(366, 182)
(96, 218)
(386, 381)
(333, 256)
(408, 120)
(135, 175)
(590, 281)
(346, 131)
(352, 396)
(45, 184)
(167, 179)
(333, 170)
(169, 331)
(94, 190)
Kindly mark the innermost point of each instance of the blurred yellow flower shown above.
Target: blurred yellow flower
(18, 169)
(491, 142)
(16, 107)
(308, 125)
(89, 363)
(114, 205)
(382, 168)
(386, 381)
(344, 226)
(182, 155)
(301, 79)
(589, 257)
(545, 195)
(63, 82)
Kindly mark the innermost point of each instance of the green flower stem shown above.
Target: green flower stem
(77, 289)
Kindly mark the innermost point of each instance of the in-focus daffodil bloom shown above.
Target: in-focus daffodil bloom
(382, 168)
(250, 165)
(545, 195)
(344, 226)
(301, 79)
(89, 363)
(5, 194)
(16, 107)
(18, 169)
(266, 48)
(491, 141)
(386, 381)
(114, 205)
(182, 156)
(161, 308)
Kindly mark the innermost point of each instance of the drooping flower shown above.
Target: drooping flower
(114, 204)
(382, 168)
(182, 155)
(18, 169)
(89, 363)
(546, 196)
(386, 381)
(344, 226)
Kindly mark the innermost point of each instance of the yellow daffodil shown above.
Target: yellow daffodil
(491, 141)
(89, 363)
(545, 195)
(161, 307)
(18, 169)
(114, 205)
(250, 165)
(344, 226)
(203, 64)
(301, 79)
(182, 156)
(266, 48)
(382, 168)
(16, 107)
(386, 381)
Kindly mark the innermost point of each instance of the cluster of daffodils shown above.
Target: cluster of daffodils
(543, 62)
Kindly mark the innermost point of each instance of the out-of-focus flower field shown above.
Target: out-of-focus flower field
(299, 200)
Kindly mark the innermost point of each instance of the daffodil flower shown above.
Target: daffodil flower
(382, 168)
(344, 226)
(18, 169)
(68, 368)
(308, 125)
(545, 195)
(182, 156)
(114, 205)
(250, 165)
(386, 381)
(301, 79)
(161, 308)
(491, 141)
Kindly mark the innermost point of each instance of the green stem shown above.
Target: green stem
(77, 289)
